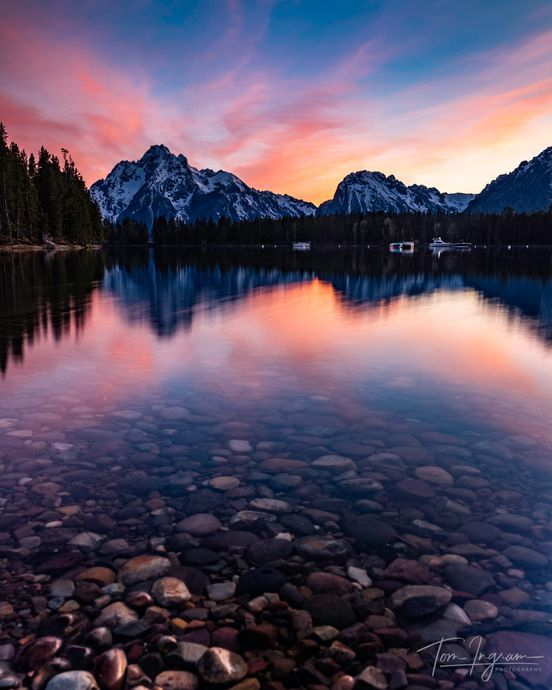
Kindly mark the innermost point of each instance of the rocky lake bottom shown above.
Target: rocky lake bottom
(279, 474)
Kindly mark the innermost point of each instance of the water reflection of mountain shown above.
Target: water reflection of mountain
(168, 291)
(51, 295)
(170, 297)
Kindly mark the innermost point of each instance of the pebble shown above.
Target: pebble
(220, 666)
(142, 568)
(176, 680)
(220, 591)
(170, 591)
(73, 680)
(415, 601)
(199, 525)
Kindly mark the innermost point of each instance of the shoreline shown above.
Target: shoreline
(53, 248)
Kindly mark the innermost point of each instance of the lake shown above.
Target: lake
(367, 436)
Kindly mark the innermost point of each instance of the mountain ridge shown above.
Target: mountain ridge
(161, 183)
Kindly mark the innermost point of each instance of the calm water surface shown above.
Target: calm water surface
(129, 381)
(459, 344)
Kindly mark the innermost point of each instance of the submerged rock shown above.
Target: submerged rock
(220, 666)
(142, 568)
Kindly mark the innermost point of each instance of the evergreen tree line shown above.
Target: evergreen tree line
(356, 229)
(44, 199)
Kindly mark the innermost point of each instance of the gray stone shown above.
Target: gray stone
(219, 666)
(170, 591)
(416, 601)
(73, 680)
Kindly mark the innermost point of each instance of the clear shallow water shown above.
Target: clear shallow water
(126, 378)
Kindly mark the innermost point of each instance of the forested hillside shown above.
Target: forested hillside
(44, 199)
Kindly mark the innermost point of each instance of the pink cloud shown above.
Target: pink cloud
(294, 135)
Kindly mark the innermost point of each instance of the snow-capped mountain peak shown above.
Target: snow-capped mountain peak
(371, 191)
(163, 184)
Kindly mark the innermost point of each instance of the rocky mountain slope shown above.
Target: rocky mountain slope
(164, 184)
(526, 189)
(369, 192)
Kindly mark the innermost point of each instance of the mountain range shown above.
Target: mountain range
(164, 184)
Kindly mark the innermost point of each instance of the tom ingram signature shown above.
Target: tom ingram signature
(485, 663)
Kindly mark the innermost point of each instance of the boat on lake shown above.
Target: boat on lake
(301, 246)
(438, 243)
(402, 247)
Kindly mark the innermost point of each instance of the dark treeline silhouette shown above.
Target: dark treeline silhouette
(44, 199)
(44, 294)
(355, 229)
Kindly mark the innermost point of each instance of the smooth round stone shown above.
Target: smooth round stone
(416, 601)
(260, 580)
(199, 525)
(223, 483)
(524, 557)
(87, 541)
(453, 612)
(368, 531)
(191, 652)
(220, 591)
(328, 583)
(413, 572)
(99, 574)
(61, 588)
(223, 541)
(298, 524)
(170, 591)
(142, 568)
(110, 669)
(329, 609)
(271, 505)
(322, 548)
(360, 486)
(337, 463)
(176, 680)
(240, 446)
(268, 550)
(480, 610)
(359, 575)
(174, 413)
(282, 465)
(37, 652)
(219, 666)
(480, 532)
(434, 474)
(115, 615)
(469, 578)
(73, 680)
(415, 488)
(372, 678)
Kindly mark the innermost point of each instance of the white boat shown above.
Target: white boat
(301, 246)
(402, 247)
(438, 243)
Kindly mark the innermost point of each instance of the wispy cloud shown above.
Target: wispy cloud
(243, 100)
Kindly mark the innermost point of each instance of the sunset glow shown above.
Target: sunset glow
(290, 96)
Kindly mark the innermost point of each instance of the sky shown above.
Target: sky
(290, 95)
